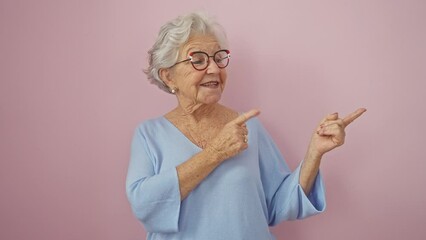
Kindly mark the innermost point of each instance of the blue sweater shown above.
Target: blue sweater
(240, 199)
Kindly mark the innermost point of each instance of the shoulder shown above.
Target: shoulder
(255, 124)
(257, 130)
(151, 126)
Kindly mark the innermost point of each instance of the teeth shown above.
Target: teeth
(209, 83)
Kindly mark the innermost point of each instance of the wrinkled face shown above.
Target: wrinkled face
(198, 87)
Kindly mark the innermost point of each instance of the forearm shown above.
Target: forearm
(195, 170)
(309, 171)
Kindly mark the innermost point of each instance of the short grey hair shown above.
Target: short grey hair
(173, 35)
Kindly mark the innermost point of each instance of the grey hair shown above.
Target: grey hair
(173, 35)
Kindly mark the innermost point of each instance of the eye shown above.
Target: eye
(198, 62)
(198, 59)
(220, 57)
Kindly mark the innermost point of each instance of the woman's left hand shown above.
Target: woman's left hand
(331, 133)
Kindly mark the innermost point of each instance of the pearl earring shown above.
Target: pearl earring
(173, 90)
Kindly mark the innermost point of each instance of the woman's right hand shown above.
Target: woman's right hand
(233, 138)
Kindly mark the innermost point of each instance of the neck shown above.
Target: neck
(197, 113)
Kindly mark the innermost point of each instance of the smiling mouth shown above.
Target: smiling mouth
(211, 84)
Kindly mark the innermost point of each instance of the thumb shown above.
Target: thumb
(330, 117)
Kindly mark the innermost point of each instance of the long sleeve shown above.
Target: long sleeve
(153, 195)
(285, 198)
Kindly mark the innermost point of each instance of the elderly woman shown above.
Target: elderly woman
(203, 171)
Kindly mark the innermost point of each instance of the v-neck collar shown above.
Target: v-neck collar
(180, 132)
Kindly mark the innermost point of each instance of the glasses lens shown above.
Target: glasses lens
(200, 60)
(222, 58)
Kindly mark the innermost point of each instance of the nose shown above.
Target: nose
(212, 67)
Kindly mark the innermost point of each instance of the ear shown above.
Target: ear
(165, 75)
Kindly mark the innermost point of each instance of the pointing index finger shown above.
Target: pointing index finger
(351, 117)
(245, 117)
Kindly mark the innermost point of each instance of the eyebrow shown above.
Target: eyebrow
(193, 49)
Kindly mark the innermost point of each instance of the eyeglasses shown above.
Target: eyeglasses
(201, 60)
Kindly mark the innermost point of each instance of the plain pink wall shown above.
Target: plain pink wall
(72, 91)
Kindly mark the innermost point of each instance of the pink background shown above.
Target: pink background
(72, 91)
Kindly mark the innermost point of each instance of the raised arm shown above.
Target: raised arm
(329, 134)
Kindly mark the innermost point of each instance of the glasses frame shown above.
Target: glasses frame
(208, 59)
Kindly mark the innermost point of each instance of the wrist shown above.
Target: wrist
(313, 155)
(214, 154)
